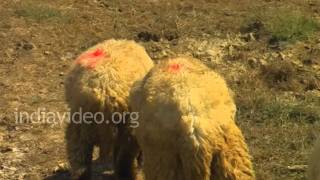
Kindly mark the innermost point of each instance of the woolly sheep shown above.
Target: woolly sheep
(99, 82)
(187, 127)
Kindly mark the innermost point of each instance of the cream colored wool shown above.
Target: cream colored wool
(100, 81)
(314, 169)
(187, 129)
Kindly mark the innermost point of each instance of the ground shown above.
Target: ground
(274, 73)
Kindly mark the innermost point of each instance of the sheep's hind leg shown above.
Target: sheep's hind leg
(126, 153)
(106, 144)
(79, 151)
(232, 161)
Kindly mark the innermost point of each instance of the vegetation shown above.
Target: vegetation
(283, 24)
(264, 104)
(40, 12)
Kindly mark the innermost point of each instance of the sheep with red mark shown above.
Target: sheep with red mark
(98, 86)
(187, 128)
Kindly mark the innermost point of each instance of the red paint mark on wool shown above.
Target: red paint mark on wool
(174, 68)
(97, 53)
(91, 59)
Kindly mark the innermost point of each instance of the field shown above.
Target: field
(268, 51)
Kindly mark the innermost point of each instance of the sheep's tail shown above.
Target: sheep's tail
(195, 150)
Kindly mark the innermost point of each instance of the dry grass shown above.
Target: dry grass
(280, 75)
(279, 123)
(283, 75)
(277, 111)
(264, 103)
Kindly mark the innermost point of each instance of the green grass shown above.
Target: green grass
(40, 12)
(305, 113)
(285, 24)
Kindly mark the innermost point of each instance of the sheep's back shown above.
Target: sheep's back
(107, 85)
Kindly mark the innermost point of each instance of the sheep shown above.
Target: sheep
(187, 128)
(99, 82)
(314, 169)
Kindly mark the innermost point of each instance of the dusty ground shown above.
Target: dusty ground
(40, 38)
